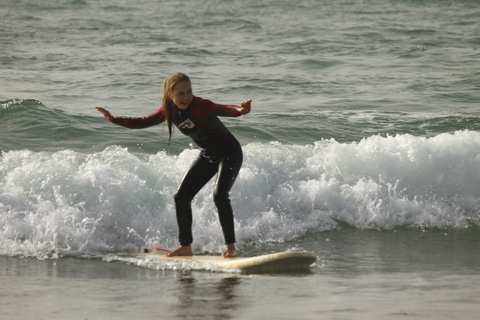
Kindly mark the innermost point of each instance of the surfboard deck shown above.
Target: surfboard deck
(267, 263)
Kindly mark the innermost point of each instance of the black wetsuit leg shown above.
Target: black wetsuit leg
(199, 173)
(229, 167)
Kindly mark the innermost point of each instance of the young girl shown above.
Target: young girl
(220, 153)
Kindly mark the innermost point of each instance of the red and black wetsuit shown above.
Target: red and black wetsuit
(220, 152)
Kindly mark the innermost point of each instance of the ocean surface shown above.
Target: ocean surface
(363, 147)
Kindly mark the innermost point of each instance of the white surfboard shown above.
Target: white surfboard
(267, 263)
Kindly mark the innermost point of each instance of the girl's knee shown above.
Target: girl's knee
(181, 198)
(221, 198)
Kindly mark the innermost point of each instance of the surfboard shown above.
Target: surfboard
(267, 263)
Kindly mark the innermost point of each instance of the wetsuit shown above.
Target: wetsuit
(220, 152)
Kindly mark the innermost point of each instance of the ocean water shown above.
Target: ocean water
(363, 147)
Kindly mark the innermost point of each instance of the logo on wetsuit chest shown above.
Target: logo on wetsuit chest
(187, 124)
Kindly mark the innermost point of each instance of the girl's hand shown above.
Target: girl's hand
(246, 106)
(105, 113)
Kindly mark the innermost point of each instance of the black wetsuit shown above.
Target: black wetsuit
(220, 152)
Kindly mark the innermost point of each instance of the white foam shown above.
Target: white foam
(69, 203)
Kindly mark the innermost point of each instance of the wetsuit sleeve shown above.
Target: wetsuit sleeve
(141, 122)
(232, 111)
(204, 107)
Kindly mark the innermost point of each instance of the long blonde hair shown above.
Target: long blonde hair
(168, 106)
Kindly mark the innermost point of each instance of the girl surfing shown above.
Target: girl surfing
(220, 153)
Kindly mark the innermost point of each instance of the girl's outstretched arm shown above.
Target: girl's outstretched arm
(134, 122)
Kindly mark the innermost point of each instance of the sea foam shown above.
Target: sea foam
(72, 203)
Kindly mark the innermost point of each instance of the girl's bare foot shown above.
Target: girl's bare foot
(182, 251)
(230, 252)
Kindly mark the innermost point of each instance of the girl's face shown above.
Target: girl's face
(182, 94)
